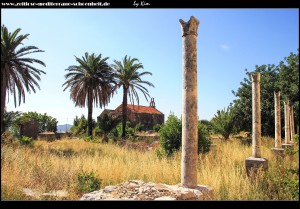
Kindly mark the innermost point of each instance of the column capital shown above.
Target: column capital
(190, 27)
(277, 93)
(255, 77)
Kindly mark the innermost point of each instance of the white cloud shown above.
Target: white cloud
(224, 46)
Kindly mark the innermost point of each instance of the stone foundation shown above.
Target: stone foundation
(287, 146)
(139, 190)
(47, 136)
(254, 164)
(278, 152)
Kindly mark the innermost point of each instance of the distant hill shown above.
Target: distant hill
(64, 128)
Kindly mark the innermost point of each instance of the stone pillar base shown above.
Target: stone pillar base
(213, 147)
(288, 146)
(254, 164)
(278, 152)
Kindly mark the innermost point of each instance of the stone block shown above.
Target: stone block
(254, 164)
(278, 152)
(288, 146)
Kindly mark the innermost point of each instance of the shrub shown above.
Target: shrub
(204, 142)
(25, 141)
(223, 122)
(157, 127)
(138, 127)
(296, 138)
(130, 132)
(91, 139)
(87, 182)
(171, 134)
(282, 183)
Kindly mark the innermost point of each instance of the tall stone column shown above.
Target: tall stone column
(287, 128)
(278, 151)
(255, 161)
(256, 116)
(287, 132)
(190, 97)
(292, 124)
(277, 120)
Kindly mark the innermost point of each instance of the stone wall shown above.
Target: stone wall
(29, 129)
(47, 136)
(148, 120)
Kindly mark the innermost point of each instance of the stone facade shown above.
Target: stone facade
(148, 116)
(29, 129)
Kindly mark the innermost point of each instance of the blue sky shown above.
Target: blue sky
(229, 41)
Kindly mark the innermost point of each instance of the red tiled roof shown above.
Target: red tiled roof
(141, 109)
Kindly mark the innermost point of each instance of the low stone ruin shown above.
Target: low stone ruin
(140, 190)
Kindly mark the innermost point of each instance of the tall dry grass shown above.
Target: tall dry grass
(55, 166)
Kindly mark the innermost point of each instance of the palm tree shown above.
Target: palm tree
(90, 82)
(128, 77)
(9, 118)
(17, 73)
(107, 124)
(224, 121)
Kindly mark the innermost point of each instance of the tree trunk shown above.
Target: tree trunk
(124, 112)
(189, 158)
(105, 138)
(3, 97)
(90, 113)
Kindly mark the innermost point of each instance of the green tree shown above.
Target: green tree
(289, 81)
(106, 124)
(209, 126)
(223, 122)
(285, 78)
(17, 73)
(171, 136)
(80, 125)
(90, 83)
(45, 122)
(128, 77)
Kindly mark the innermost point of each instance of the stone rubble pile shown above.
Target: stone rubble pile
(140, 190)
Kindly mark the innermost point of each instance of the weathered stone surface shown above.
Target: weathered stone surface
(292, 123)
(254, 164)
(287, 130)
(288, 146)
(278, 152)
(39, 195)
(256, 116)
(277, 120)
(57, 193)
(189, 103)
(139, 190)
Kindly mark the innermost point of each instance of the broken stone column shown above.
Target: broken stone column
(278, 151)
(190, 99)
(255, 161)
(287, 130)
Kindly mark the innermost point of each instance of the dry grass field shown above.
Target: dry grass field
(49, 166)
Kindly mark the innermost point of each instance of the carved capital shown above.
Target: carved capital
(277, 94)
(190, 27)
(255, 77)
